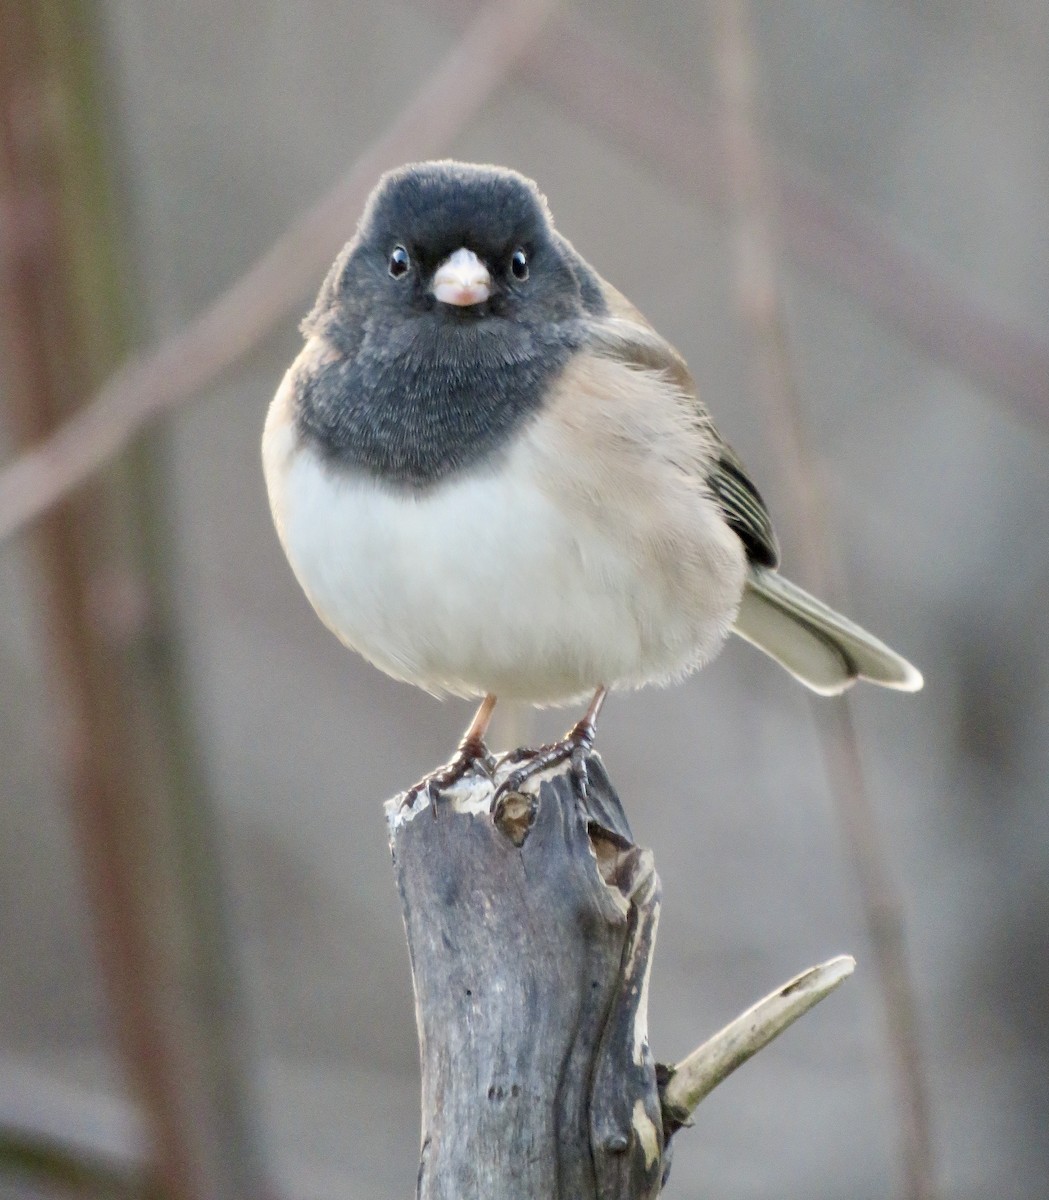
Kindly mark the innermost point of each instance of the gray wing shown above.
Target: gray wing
(628, 338)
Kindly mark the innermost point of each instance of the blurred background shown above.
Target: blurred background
(204, 987)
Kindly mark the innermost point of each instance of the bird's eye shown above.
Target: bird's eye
(399, 262)
(519, 264)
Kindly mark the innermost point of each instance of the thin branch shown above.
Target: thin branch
(696, 1076)
(885, 918)
(821, 228)
(182, 365)
(612, 93)
(761, 305)
(68, 1170)
(647, 113)
(92, 738)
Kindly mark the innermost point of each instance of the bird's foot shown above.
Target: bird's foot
(573, 747)
(471, 755)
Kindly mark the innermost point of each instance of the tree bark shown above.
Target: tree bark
(530, 942)
(531, 936)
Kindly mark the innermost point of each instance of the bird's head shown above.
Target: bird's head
(457, 241)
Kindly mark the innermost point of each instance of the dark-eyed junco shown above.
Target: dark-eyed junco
(492, 477)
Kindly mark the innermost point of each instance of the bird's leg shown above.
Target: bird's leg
(471, 751)
(576, 743)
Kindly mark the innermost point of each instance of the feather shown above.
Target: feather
(824, 650)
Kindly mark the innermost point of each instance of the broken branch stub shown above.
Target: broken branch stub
(531, 939)
(530, 965)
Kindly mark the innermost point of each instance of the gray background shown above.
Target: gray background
(233, 116)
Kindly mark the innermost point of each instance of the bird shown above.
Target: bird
(493, 478)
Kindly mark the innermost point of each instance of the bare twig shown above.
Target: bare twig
(182, 365)
(612, 92)
(94, 741)
(886, 924)
(760, 302)
(66, 1170)
(700, 1073)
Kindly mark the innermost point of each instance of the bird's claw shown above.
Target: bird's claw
(469, 756)
(574, 747)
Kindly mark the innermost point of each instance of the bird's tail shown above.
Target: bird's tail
(823, 649)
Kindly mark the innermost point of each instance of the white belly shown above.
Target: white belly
(519, 581)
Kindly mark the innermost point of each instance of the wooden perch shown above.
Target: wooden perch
(531, 940)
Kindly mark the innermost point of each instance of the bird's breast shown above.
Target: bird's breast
(587, 551)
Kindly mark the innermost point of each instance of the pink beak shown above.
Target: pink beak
(462, 279)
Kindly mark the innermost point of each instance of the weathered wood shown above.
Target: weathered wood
(682, 1087)
(530, 964)
(531, 937)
